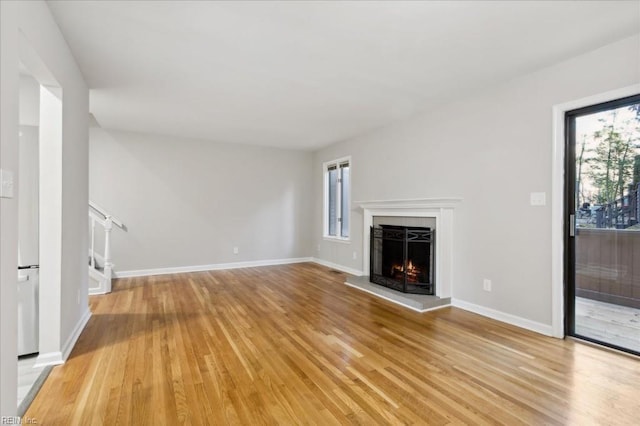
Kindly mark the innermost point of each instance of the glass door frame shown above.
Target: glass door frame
(570, 211)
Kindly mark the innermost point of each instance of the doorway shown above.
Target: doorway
(602, 210)
(39, 277)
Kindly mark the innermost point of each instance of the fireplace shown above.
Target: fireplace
(402, 258)
(434, 213)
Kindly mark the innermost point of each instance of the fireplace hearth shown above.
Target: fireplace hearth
(402, 258)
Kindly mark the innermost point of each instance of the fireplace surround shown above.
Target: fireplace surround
(441, 210)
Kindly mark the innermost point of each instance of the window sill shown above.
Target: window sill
(337, 239)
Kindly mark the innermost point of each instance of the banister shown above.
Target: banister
(102, 275)
(102, 212)
(97, 218)
(93, 242)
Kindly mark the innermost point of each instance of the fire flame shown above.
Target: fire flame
(412, 272)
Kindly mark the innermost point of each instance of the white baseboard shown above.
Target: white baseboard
(95, 277)
(234, 265)
(328, 264)
(73, 338)
(538, 327)
(49, 358)
(59, 357)
(212, 267)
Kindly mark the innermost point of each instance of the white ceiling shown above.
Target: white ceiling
(307, 74)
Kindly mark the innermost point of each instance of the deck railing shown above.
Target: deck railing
(621, 214)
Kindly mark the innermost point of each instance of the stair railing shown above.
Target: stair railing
(98, 215)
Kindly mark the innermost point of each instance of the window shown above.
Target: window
(337, 191)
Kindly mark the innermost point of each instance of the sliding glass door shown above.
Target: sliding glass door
(603, 213)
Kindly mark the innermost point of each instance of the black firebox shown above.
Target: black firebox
(402, 258)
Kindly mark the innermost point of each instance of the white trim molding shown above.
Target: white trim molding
(336, 266)
(234, 265)
(75, 335)
(325, 200)
(414, 203)
(59, 357)
(49, 358)
(517, 321)
(441, 209)
(557, 198)
(212, 267)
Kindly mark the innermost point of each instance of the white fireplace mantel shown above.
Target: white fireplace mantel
(441, 209)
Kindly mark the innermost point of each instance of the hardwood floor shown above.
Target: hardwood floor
(293, 345)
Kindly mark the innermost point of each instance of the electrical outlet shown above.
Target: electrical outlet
(538, 198)
(355, 255)
(486, 284)
(318, 248)
(78, 296)
(235, 250)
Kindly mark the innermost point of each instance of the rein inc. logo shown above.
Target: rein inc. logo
(17, 420)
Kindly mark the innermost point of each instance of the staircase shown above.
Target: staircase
(100, 265)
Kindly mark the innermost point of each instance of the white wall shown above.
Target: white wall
(50, 231)
(492, 149)
(31, 24)
(28, 178)
(29, 119)
(29, 101)
(9, 90)
(188, 202)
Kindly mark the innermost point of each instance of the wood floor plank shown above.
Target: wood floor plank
(292, 344)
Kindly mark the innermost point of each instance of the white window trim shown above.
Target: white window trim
(325, 201)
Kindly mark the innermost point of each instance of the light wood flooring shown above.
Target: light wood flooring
(292, 344)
